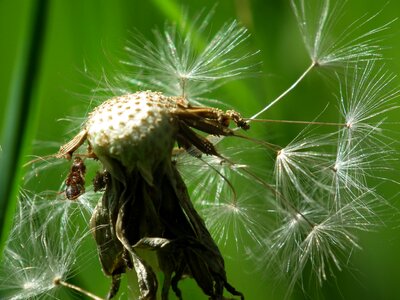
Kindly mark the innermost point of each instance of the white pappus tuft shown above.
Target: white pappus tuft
(182, 63)
(317, 21)
(323, 181)
(228, 194)
(38, 255)
(367, 93)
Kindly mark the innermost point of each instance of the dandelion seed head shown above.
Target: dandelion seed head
(134, 128)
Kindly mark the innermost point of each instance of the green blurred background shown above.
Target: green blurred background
(80, 40)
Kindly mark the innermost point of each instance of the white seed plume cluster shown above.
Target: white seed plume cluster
(38, 255)
(301, 217)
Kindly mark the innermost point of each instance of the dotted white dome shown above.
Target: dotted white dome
(134, 129)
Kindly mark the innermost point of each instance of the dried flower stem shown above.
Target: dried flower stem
(298, 122)
(59, 281)
(313, 64)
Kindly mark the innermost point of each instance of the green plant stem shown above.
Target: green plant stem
(17, 127)
(170, 8)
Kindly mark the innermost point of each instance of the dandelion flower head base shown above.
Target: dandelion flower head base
(145, 204)
(133, 129)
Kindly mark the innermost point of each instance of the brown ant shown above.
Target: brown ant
(75, 182)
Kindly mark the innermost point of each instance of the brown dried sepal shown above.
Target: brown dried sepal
(69, 148)
(100, 181)
(160, 217)
(209, 120)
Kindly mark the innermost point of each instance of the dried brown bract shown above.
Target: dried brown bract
(145, 204)
(100, 181)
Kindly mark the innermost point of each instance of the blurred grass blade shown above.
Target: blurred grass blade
(18, 123)
(170, 9)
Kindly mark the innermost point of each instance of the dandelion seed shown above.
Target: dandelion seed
(321, 238)
(366, 94)
(333, 238)
(300, 165)
(67, 213)
(241, 222)
(354, 165)
(318, 19)
(36, 255)
(200, 173)
(176, 65)
(226, 194)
